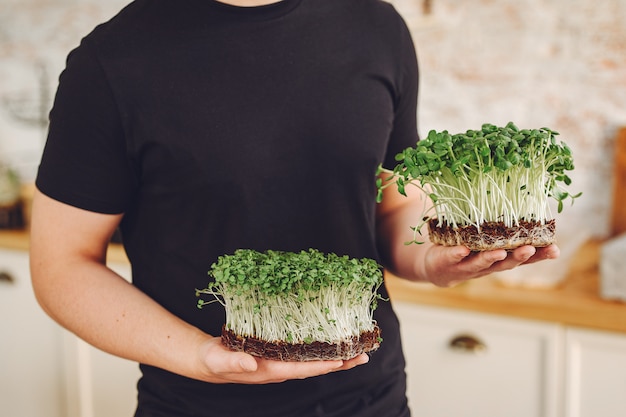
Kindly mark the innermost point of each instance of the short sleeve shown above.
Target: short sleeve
(85, 160)
(404, 132)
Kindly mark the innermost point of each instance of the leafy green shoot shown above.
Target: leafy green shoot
(495, 174)
(297, 297)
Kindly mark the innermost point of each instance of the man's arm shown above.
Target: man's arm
(443, 266)
(76, 288)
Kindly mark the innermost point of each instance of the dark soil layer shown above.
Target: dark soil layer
(494, 235)
(301, 352)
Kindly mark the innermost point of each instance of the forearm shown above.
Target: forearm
(403, 260)
(76, 288)
(108, 312)
(396, 215)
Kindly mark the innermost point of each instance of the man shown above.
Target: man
(199, 127)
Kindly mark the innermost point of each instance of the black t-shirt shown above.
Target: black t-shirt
(214, 127)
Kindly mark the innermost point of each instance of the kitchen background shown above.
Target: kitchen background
(554, 63)
(554, 353)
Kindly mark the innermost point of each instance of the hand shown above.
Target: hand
(449, 266)
(225, 366)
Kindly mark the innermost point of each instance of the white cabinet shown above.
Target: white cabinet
(47, 371)
(595, 374)
(32, 364)
(465, 364)
(100, 384)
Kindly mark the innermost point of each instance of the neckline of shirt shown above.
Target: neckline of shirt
(267, 11)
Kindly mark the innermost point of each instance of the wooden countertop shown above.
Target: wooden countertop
(574, 302)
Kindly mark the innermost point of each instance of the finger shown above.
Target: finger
(272, 371)
(443, 264)
(278, 371)
(227, 362)
(482, 261)
(457, 254)
(514, 258)
(221, 362)
(447, 266)
(521, 255)
(548, 252)
(354, 362)
(443, 257)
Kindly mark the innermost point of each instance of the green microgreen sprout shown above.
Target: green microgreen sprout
(298, 297)
(495, 174)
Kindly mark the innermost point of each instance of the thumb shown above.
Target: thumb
(457, 253)
(247, 363)
(221, 360)
(233, 362)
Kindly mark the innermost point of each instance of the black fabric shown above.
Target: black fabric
(214, 127)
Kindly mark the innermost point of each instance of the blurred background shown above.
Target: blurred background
(555, 350)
